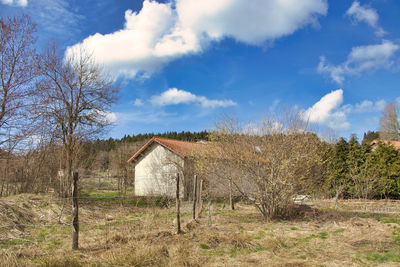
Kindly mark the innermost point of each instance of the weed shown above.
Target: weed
(294, 228)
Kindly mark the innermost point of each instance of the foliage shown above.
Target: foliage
(369, 137)
(355, 171)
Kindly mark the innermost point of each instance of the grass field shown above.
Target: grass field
(136, 233)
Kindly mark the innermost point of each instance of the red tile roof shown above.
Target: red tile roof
(395, 144)
(182, 148)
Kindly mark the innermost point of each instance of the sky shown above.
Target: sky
(182, 64)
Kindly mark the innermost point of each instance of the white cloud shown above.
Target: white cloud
(159, 33)
(107, 117)
(174, 96)
(369, 106)
(361, 59)
(138, 102)
(327, 111)
(365, 14)
(21, 3)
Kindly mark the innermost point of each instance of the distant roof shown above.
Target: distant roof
(395, 144)
(182, 148)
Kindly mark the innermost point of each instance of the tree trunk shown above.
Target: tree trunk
(232, 205)
(194, 196)
(178, 205)
(75, 207)
(199, 199)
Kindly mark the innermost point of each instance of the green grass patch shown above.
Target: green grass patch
(294, 228)
(260, 235)
(389, 220)
(322, 235)
(218, 252)
(339, 231)
(396, 235)
(233, 252)
(245, 220)
(384, 257)
(259, 248)
(12, 243)
(204, 246)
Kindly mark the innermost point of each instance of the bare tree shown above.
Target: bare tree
(269, 162)
(73, 98)
(389, 123)
(17, 71)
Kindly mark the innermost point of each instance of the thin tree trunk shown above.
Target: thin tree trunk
(178, 205)
(194, 196)
(232, 205)
(199, 199)
(75, 208)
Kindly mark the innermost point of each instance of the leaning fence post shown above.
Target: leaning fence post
(75, 221)
(178, 205)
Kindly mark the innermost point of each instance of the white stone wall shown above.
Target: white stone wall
(155, 173)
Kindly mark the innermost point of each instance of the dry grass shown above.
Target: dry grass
(115, 235)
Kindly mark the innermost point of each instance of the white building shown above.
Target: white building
(157, 164)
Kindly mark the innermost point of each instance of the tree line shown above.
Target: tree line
(355, 170)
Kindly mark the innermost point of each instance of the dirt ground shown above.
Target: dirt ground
(135, 233)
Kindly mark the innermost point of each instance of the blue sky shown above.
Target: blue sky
(183, 63)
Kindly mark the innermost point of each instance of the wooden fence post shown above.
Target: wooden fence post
(75, 207)
(178, 205)
(194, 196)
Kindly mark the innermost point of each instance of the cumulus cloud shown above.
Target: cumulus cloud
(174, 96)
(21, 3)
(327, 111)
(361, 59)
(365, 14)
(160, 32)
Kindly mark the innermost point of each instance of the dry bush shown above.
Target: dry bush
(268, 163)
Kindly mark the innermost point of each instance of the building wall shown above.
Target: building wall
(155, 173)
